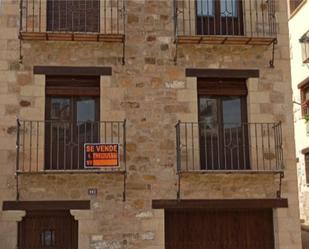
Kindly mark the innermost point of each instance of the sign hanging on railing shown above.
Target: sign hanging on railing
(101, 155)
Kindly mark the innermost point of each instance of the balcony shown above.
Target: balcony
(204, 147)
(58, 146)
(72, 20)
(237, 22)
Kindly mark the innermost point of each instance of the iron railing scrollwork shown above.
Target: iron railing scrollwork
(203, 146)
(250, 18)
(73, 16)
(52, 145)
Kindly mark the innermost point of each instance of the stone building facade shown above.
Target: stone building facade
(150, 73)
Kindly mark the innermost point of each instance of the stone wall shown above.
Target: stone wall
(152, 93)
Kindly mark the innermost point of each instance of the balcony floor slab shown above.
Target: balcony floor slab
(228, 40)
(59, 36)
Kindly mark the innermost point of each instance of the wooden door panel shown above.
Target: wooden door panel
(219, 229)
(35, 225)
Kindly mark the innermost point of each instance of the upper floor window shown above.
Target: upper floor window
(73, 15)
(222, 17)
(306, 155)
(226, 8)
(72, 119)
(294, 4)
(223, 126)
(304, 40)
(304, 96)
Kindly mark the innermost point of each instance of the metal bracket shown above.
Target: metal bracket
(124, 194)
(124, 51)
(17, 186)
(176, 51)
(176, 12)
(178, 167)
(281, 176)
(21, 57)
(178, 186)
(272, 61)
(20, 29)
(17, 158)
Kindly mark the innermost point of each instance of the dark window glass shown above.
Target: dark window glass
(219, 17)
(205, 8)
(48, 238)
(229, 8)
(73, 15)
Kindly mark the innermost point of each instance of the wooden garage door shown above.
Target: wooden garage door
(48, 230)
(219, 229)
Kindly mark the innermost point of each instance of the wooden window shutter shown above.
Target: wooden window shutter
(73, 86)
(307, 167)
(294, 4)
(222, 87)
(73, 15)
(304, 94)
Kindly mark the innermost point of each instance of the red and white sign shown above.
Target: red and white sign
(101, 155)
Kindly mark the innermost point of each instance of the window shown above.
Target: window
(223, 124)
(72, 119)
(304, 40)
(73, 15)
(304, 96)
(48, 238)
(307, 166)
(207, 7)
(294, 4)
(223, 17)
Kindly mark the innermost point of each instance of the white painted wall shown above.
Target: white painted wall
(298, 25)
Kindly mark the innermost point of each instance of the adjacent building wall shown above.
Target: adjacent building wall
(298, 25)
(152, 93)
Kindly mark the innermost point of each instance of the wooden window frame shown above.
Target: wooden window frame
(304, 90)
(213, 24)
(306, 160)
(295, 6)
(73, 85)
(304, 41)
(224, 88)
(219, 88)
(72, 88)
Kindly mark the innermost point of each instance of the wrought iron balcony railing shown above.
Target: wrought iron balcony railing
(84, 20)
(58, 146)
(225, 21)
(206, 147)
